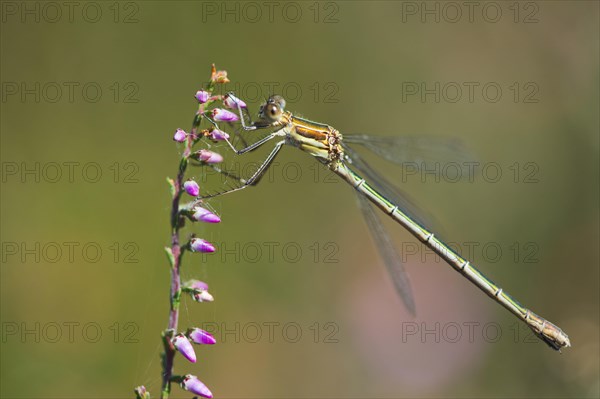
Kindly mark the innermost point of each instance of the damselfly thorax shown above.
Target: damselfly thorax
(318, 139)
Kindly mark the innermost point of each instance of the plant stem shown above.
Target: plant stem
(175, 292)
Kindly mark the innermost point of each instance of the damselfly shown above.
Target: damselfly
(329, 147)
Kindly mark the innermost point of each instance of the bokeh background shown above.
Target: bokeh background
(303, 306)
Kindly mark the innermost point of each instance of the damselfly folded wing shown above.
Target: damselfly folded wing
(388, 253)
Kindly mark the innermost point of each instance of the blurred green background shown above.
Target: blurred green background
(303, 306)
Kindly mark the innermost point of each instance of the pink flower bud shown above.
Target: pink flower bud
(197, 285)
(200, 245)
(192, 188)
(232, 102)
(218, 135)
(202, 96)
(184, 346)
(204, 215)
(180, 135)
(192, 384)
(203, 296)
(199, 336)
(222, 115)
(208, 156)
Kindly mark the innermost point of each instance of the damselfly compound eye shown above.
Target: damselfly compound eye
(271, 111)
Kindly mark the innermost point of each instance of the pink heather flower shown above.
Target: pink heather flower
(232, 102)
(202, 96)
(222, 115)
(203, 296)
(198, 285)
(219, 135)
(209, 156)
(192, 188)
(184, 346)
(200, 245)
(200, 293)
(199, 336)
(204, 215)
(179, 135)
(192, 384)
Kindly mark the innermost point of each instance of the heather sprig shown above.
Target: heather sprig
(209, 110)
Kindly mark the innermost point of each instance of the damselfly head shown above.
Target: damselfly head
(272, 109)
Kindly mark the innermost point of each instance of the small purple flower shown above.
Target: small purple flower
(204, 215)
(197, 285)
(194, 385)
(199, 336)
(222, 115)
(200, 291)
(219, 135)
(180, 135)
(200, 245)
(184, 346)
(202, 296)
(202, 96)
(232, 102)
(192, 188)
(209, 156)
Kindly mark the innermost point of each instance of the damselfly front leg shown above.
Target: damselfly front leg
(270, 116)
(255, 178)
